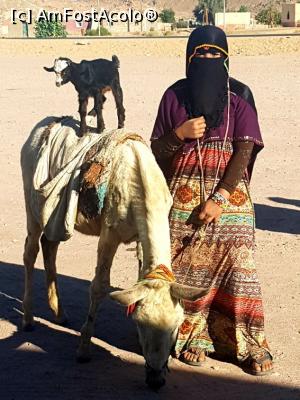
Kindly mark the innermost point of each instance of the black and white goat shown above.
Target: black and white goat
(92, 79)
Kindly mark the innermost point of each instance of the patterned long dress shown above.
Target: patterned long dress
(229, 319)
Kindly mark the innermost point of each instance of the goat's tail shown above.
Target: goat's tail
(116, 61)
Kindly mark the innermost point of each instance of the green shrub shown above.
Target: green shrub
(269, 16)
(181, 24)
(167, 15)
(95, 32)
(45, 29)
(243, 9)
(151, 34)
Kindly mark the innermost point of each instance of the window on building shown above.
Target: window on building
(288, 15)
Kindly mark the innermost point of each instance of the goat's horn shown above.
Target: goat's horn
(49, 69)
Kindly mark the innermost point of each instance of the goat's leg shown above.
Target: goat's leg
(99, 107)
(31, 250)
(83, 102)
(118, 95)
(107, 246)
(93, 112)
(49, 249)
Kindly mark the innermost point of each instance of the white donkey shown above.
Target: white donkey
(136, 208)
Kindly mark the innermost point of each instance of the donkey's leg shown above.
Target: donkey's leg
(107, 246)
(118, 95)
(139, 255)
(31, 250)
(49, 249)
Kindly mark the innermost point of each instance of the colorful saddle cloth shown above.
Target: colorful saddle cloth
(70, 168)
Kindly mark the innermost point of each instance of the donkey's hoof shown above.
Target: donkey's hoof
(62, 321)
(83, 358)
(28, 326)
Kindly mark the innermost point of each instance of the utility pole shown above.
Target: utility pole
(99, 29)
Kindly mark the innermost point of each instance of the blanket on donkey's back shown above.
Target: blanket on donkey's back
(56, 180)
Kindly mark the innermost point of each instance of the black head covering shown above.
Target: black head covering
(207, 77)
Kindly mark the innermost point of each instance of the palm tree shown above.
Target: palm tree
(205, 10)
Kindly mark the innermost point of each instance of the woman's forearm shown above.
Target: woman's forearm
(236, 167)
(166, 146)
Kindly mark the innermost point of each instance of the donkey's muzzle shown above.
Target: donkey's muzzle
(156, 379)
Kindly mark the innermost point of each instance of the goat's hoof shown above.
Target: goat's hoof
(28, 326)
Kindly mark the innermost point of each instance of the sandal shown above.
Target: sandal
(191, 362)
(259, 358)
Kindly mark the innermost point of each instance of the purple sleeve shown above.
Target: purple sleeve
(170, 115)
(246, 127)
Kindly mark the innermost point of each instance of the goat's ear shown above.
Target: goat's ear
(130, 296)
(87, 74)
(184, 292)
(49, 69)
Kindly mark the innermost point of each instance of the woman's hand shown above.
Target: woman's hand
(211, 212)
(191, 129)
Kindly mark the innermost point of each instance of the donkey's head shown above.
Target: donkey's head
(158, 315)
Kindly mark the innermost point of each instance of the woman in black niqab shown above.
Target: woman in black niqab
(208, 170)
(207, 77)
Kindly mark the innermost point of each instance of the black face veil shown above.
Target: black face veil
(207, 77)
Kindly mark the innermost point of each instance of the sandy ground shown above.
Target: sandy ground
(78, 49)
(41, 365)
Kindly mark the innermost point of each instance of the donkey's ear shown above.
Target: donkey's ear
(130, 296)
(184, 292)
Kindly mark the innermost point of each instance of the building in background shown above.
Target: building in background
(18, 30)
(233, 20)
(290, 15)
(75, 28)
(133, 27)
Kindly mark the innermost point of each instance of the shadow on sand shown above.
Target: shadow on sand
(278, 219)
(292, 202)
(41, 364)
